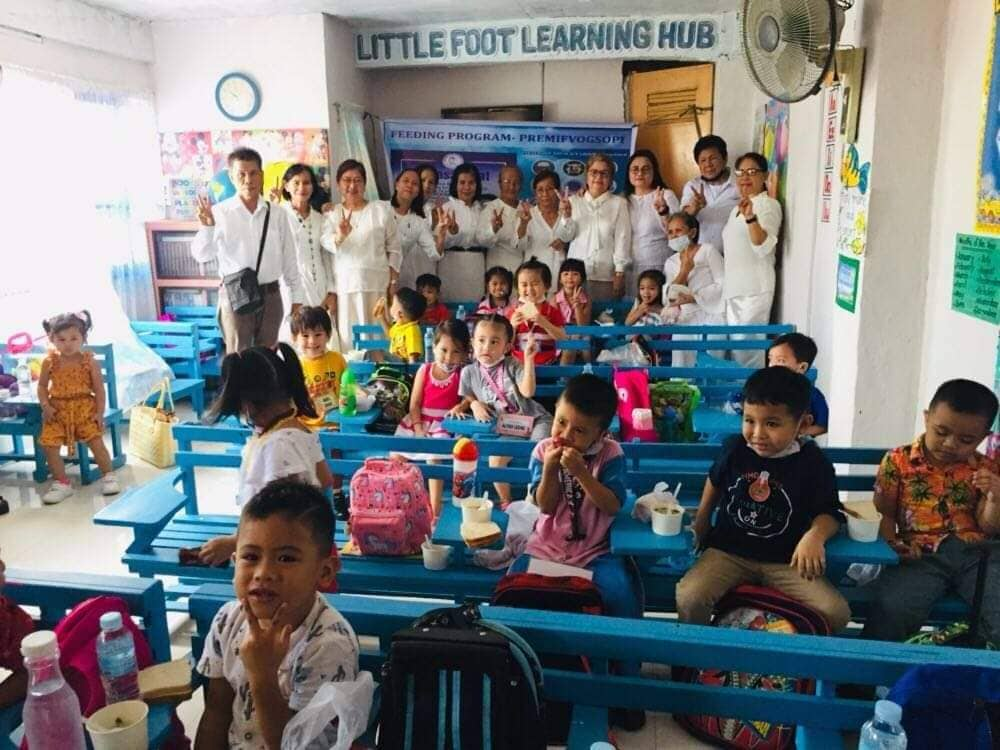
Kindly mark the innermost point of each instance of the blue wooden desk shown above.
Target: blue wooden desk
(357, 423)
(473, 428)
(711, 421)
(448, 531)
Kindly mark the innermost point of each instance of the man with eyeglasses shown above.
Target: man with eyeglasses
(241, 234)
(712, 195)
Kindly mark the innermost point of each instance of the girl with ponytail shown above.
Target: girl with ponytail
(266, 388)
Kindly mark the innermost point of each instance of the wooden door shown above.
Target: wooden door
(665, 105)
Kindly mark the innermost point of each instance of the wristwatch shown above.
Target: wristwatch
(665, 212)
(752, 219)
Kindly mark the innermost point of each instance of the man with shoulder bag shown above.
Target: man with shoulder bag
(254, 250)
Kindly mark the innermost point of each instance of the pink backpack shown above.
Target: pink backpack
(390, 509)
(633, 393)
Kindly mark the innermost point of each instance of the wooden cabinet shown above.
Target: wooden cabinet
(178, 279)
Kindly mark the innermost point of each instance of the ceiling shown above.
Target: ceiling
(377, 12)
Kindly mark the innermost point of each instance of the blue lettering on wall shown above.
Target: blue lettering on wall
(642, 34)
(457, 41)
(506, 33)
(526, 45)
(436, 39)
(544, 38)
(363, 54)
(560, 40)
(577, 37)
(706, 35)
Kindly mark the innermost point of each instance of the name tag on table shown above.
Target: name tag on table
(515, 425)
(558, 570)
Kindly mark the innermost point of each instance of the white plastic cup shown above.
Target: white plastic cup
(120, 726)
(863, 529)
(476, 510)
(667, 520)
(435, 556)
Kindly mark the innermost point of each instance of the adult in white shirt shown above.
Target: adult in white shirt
(548, 225)
(693, 292)
(231, 233)
(603, 239)
(500, 231)
(364, 241)
(421, 251)
(751, 236)
(712, 195)
(464, 263)
(650, 202)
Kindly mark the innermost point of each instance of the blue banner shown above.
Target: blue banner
(532, 146)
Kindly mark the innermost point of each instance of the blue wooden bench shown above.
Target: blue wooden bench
(30, 425)
(179, 345)
(206, 319)
(820, 717)
(54, 594)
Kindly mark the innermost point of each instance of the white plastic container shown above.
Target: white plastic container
(668, 520)
(435, 555)
(476, 510)
(120, 726)
(863, 529)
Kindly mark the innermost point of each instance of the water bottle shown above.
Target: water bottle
(884, 731)
(460, 313)
(465, 457)
(22, 371)
(588, 369)
(348, 394)
(429, 345)
(116, 659)
(52, 719)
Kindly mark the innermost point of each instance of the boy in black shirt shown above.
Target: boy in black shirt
(777, 505)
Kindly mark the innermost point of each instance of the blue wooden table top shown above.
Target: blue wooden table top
(448, 530)
(711, 421)
(357, 423)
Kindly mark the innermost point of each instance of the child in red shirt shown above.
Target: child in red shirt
(533, 315)
(429, 285)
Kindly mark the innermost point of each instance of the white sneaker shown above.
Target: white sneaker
(109, 485)
(58, 492)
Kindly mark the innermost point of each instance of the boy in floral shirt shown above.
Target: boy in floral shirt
(938, 497)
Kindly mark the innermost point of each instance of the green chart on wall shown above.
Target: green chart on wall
(976, 285)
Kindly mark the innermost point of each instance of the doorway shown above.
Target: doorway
(672, 108)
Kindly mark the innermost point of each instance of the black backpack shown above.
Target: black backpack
(391, 388)
(475, 682)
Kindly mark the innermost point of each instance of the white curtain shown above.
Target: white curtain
(79, 174)
(354, 145)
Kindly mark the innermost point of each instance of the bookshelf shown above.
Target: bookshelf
(178, 279)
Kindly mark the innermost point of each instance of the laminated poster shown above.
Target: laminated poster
(848, 276)
(988, 187)
(976, 281)
(855, 183)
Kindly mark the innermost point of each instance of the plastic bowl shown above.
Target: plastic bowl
(435, 556)
(863, 529)
(477, 510)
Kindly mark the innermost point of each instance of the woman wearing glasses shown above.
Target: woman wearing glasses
(750, 237)
(603, 239)
(650, 203)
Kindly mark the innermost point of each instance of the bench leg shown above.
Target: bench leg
(812, 738)
(198, 400)
(86, 474)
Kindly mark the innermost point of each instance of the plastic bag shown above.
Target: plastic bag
(627, 354)
(661, 495)
(521, 517)
(351, 702)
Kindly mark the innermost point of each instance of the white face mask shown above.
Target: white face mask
(679, 244)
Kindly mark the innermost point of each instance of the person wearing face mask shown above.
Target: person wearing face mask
(712, 195)
(650, 202)
(500, 229)
(751, 237)
(461, 269)
(693, 294)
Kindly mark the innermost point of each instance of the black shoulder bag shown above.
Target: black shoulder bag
(242, 287)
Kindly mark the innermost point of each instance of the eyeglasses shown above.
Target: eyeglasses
(752, 172)
(599, 173)
(640, 170)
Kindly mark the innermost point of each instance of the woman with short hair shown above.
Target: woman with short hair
(464, 262)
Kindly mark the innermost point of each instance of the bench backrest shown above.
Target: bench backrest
(104, 355)
(203, 316)
(176, 343)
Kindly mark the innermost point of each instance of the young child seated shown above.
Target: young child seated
(573, 301)
(797, 351)
(268, 653)
(496, 384)
(777, 505)
(429, 285)
(406, 341)
(938, 497)
(15, 624)
(499, 281)
(648, 300)
(534, 316)
(311, 329)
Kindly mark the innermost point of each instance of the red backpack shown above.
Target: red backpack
(753, 608)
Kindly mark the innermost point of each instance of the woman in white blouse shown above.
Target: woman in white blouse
(549, 225)
(750, 237)
(603, 238)
(650, 202)
(421, 252)
(464, 262)
(363, 239)
(693, 293)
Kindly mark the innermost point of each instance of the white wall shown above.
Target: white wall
(956, 345)
(286, 55)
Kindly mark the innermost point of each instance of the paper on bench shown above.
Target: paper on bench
(558, 570)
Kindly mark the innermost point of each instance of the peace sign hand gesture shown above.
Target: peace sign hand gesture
(524, 212)
(659, 202)
(344, 227)
(698, 201)
(265, 647)
(565, 207)
(451, 220)
(275, 194)
(204, 207)
(497, 220)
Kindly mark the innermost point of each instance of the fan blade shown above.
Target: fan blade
(790, 67)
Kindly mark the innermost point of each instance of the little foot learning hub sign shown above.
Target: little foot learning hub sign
(701, 37)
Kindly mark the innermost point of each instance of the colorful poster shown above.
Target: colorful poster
(852, 222)
(976, 283)
(771, 140)
(988, 189)
(828, 166)
(532, 146)
(196, 160)
(848, 277)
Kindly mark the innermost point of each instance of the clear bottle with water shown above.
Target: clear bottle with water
(116, 660)
(22, 371)
(52, 718)
(884, 731)
(460, 313)
(588, 369)
(429, 345)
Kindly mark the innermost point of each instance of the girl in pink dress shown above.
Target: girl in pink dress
(435, 393)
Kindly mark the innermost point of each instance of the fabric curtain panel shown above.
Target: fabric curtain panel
(354, 145)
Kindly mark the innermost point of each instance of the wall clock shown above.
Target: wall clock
(237, 96)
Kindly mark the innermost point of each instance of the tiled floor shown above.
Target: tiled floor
(63, 537)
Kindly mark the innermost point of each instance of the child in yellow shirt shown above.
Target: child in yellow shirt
(401, 323)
